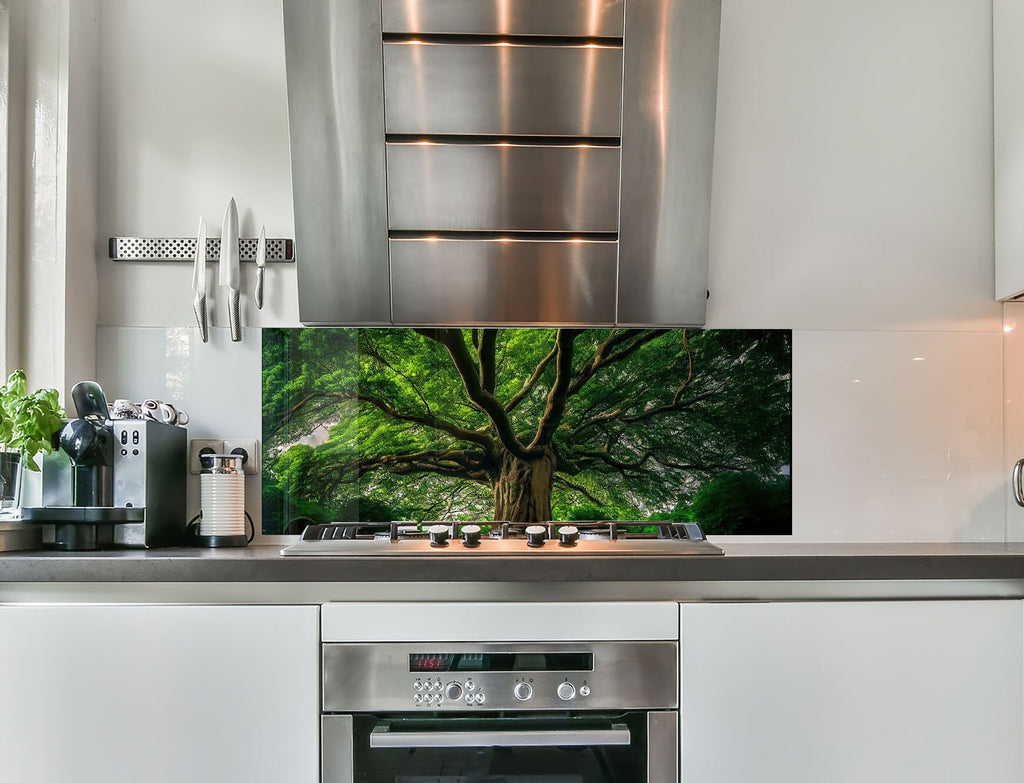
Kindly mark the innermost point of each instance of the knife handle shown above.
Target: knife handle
(199, 305)
(258, 293)
(235, 316)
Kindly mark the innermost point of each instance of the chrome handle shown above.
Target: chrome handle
(1018, 486)
(235, 315)
(258, 293)
(383, 737)
(199, 306)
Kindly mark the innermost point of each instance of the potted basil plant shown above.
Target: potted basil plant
(28, 423)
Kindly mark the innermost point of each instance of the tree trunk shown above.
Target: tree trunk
(523, 492)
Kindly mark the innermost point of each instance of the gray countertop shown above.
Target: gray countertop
(741, 563)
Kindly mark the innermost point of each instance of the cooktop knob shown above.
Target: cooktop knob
(471, 535)
(438, 535)
(566, 691)
(535, 535)
(568, 535)
(523, 691)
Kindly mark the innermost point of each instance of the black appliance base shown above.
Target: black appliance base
(219, 541)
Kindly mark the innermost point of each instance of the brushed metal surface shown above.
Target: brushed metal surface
(616, 734)
(502, 89)
(516, 548)
(592, 18)
(662, 747)
(670, 80)
(492, 281)
(502, 187)
(336, 747)
(376, 677)
(336, 129)
(15, 536)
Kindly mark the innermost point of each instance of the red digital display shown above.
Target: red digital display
(430, 662)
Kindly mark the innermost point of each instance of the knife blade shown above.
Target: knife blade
(199, 282)
(261, 262)
(229, 275)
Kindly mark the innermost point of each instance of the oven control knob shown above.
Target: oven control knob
(568, 535)
(453, 691)
(566, 691)
(535, 535)
(584, 690)
(471, 535)
(522, 691)
(438, 535)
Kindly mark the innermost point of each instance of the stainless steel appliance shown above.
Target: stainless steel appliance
(137, 499)
(562, 711)
(472, 539)
(502, 161)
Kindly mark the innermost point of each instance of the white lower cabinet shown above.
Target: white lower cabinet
(160, 694)
(858, 692)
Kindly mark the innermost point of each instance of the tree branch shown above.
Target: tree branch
(532, 381)
(452, 340)
(461, 464)
(576, 488)
(485, 352)
(674, 407)
(556, 398)
(606, 355)
(457, 432)
(649, 455)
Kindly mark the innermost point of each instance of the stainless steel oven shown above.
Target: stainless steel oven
(522, 712)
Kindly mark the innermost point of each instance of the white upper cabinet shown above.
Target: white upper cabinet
(1008, 96)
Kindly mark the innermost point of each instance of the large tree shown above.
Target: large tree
(520, 424)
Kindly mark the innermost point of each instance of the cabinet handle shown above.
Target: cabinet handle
(1018, 486)
(383, 737)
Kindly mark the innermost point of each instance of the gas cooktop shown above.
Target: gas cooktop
(467, 539)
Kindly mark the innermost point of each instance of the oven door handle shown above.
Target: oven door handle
(383, 737)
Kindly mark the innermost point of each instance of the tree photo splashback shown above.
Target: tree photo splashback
(527, 425)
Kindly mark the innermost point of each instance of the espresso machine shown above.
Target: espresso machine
(110, 483)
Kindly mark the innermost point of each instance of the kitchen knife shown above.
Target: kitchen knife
(199, 282)
(229, 276)
(261, 262)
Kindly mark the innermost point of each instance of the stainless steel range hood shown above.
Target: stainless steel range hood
(502, 161)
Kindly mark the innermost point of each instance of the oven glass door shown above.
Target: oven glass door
(591, 748)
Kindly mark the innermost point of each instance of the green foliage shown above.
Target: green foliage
(379, 421)
(743, 503)
(28, 421)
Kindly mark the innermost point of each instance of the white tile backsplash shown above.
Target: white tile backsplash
(219, 383)
(1013, 395)
(897, 436)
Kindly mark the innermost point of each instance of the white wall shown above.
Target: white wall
(852, 203)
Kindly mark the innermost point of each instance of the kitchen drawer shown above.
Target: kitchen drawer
(502, 187)
(457, 281)
(502, 89)
(600, 18)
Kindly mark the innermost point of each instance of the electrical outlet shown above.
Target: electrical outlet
(198, 446)
(250, 451)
